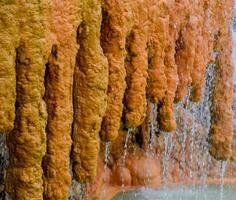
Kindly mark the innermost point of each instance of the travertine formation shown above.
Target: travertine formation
(62, 18)
(71, 70)
(113, 39)
(222, 116)
(8, 43)
(90, 86)
(27, 141)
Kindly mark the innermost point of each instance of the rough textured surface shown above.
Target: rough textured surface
(9, 39)
(114, 30)
(27, 141)
(158, 41)
(63, 19)
(90, 86)
(221, 134)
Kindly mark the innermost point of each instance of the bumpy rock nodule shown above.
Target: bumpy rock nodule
(88, 63)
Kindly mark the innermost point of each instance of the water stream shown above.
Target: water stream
(106, 160)
(166, 158)
(222, 175)
(191, 118)
(153, 129)
(124, 158)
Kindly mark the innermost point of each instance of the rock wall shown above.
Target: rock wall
(74, 72)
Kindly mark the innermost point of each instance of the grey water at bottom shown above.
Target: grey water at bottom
(211, 192)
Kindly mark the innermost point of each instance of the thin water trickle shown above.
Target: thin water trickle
(223, 166)
(202, 117)
(183, 157)
(82, 191)
(153, 128)
(192, 139)
(106, 160)
(124, 158)
(166, 158)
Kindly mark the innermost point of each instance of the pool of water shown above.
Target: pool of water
(211, 192)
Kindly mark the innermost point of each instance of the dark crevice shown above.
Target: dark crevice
(179, 45)
(128, 61)
(104, 29)
(159, 105)
(139, 137)
(79, 38)
(5, 156)
(52, 57)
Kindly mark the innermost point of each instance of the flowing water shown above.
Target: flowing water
(222, 174)
(186, 130)
(124, 158)
(153, 129)
(106, 160)
(166, 157)
(196, 154)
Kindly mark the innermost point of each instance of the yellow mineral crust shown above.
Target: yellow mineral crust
(63, 18)
(27, 141)
(91, 80)
(9, 39)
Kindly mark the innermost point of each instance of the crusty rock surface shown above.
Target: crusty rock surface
(221, 134)
(9, 40)
(63, 19)
(90, 87)
(27, 141)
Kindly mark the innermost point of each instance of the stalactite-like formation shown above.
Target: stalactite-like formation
(106, 63)
(136, 68)
(166, 114)
(114, 30)
(222, 115)
(158, 41)
(185, 57)
(63, 19)
(202, 50)
(9, 39)
(91, 79)
(56, 169)
(27, 141)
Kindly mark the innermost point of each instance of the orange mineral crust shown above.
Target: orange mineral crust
(136, 68)
(115, 26)
(221, 134)
(63, 18)
(157, 43)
